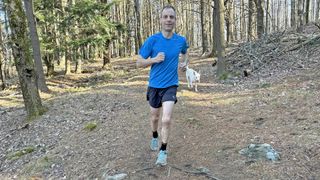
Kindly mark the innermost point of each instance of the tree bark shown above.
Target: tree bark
(267, 30)
(260, 17)
(35, 46)
(251, 21)
(138, 30)
(318, 10)
(219, 37)
(3, 82)
(23, 60)
(243, 21)
(300, 14)
(203, 27)
(278, 16)
(230, 22)
(293, 14)
(307, 11)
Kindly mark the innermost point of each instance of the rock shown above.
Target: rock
(260, 151)
(117, 177)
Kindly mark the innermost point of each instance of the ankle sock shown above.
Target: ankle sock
(163, 147)
(155, 134)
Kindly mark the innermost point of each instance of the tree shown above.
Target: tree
(23, 60)
(293, 14)
(307, 11)
(35, 46)
(260, 17)
(230, 21)
(251, 21)
(204, 32)
(3, 82)
(317, 10)
(242, 20)
(138, 20)
(267, 17)
(219, 36)
(300, 14)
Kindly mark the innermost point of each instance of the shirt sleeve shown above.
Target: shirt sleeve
(185, 46)
(146, 49)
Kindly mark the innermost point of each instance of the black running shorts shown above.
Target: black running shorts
(156, 96)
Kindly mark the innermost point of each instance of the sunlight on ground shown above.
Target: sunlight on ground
(203, 99)
(10, 102)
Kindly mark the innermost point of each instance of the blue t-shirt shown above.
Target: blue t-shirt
(165, 73)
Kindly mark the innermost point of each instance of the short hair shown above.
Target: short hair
(168, 7)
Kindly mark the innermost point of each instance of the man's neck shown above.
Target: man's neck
(167, 34)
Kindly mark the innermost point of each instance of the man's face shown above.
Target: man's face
(168, 19)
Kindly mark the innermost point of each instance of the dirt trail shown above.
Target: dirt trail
(209, 129)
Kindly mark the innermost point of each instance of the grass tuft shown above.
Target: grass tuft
(90, 126)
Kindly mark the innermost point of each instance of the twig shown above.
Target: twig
(195, 172)
(143, 169)
(169, 170)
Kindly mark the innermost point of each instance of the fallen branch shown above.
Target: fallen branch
(302, 44)
(318, 25)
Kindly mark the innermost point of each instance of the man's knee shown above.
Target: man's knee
(166, 121)
(155, 115)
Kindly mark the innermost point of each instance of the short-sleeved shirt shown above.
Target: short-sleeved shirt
(164, 74)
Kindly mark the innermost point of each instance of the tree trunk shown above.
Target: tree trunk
(285, 14)
(23, 59)
(78, 58)
(293, 14)
(243, 21)
(251, 21)
(267, 17)
(3, 82)
(278, 16)
(307, 11)
(300, 15)
(230, 22)
(35, 46)
(214, 29)
(317, 10)
(219, 37)
(138, 20)
(49, 63)
(106, 54)
(203, 28)
(260, 17)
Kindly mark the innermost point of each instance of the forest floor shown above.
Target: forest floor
(209, 127)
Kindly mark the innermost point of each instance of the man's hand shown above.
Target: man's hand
(159, 58)
(183, 66)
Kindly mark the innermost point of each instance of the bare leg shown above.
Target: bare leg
(155, 115)
(166, 120)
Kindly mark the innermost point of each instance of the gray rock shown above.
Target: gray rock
(117, 177)
(260, 151)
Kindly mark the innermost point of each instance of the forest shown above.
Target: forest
(72, 101)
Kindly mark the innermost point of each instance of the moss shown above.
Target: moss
(38, 166)
(224, 76)
(20, 153)
(90, 126)
(42, 110)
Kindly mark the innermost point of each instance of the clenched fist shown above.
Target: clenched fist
(159, 58)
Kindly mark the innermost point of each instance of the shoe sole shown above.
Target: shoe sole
(160, 164)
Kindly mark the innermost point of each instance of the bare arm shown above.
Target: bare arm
(184, 61)
(141, 62)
